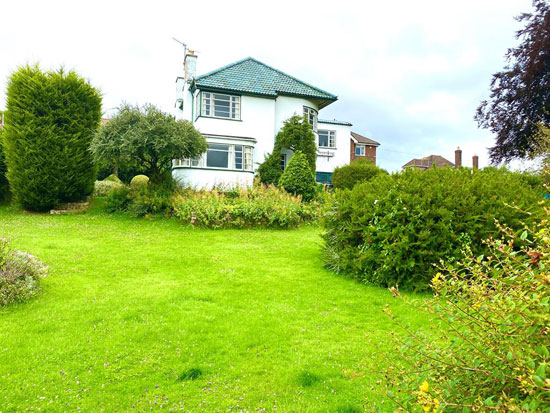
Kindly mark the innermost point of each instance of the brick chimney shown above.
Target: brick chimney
(475, 162)
(458, 157)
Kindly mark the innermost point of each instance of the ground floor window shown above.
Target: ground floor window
(221, 156)
(359, 150)
(323, 177)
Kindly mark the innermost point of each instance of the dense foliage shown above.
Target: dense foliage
(139, 181)
(103, 188)
(522, 88)
(295, 135)
(297, 178)
(394, 229)
(490, 348)
(261, 206)
(50, 121)
(20, 274)
(360, 170)
(4, 185)
(148, 139)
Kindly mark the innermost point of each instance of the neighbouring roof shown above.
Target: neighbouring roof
(250, 76)
(428, 161)
(334, 122)
(364, 140)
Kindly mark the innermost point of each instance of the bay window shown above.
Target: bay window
(221, 156)
(327, 139)
(219, 105)
(311, 117)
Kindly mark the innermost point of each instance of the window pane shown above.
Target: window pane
(218, 147)
(323, 138)
(217, 159)
(238, 157)
(283, 162)
(248, 158)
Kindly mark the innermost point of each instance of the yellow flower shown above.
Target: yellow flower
(424, 387)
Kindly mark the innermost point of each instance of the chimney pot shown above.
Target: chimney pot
(458, 157)
(475, 162)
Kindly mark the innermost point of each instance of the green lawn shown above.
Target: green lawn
(140, 314)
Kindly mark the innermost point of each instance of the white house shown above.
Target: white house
(239, 108)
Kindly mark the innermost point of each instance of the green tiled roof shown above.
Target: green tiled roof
(334, 122)
(250, 76)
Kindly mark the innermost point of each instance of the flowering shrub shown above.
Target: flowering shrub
(393, 229)
(102, 188)
(488, 348)
(20, 274)
(258, 207)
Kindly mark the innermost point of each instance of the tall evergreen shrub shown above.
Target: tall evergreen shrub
(297, 178)
(50, 121)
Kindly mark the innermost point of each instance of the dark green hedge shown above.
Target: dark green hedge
(50, 122)
(360, 170)
(394, 229)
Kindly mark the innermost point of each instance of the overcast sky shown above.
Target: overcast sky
(408, 74)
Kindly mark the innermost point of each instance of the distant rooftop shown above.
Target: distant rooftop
(364, 140)
(250, 76)
(428, 161)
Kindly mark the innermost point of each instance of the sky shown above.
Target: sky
(408, 74)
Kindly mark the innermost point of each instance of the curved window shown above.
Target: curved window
(221, 156)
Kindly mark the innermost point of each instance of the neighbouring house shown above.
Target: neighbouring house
(239, 108)
(439, 161)
(428, 161)
(362, 147)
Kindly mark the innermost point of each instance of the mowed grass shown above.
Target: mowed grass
(138, 315)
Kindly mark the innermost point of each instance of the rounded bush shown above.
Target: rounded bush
(360, 170)
(297, 178)
(103, 188)
(394, 229)
(50, 121)
(20, 274)
(139, 181)
(113, 178)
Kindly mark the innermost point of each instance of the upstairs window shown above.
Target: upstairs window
(327, 139)
(359, 150)
(218, 105)
(311, 116)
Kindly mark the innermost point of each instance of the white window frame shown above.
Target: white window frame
(311, 117)
(201, 162)
(208, 104)
(362, 150)
(331, 138)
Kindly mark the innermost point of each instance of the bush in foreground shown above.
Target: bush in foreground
(261, 206)
(103, 188)
(360, 170)
(297, 178)
(20, 274)
(139, 181)
(394, 229)
(490, 347)
(50, 121)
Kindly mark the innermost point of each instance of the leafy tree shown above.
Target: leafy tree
(520, 94)
(296, 135)
(360, 170)
(148, 139)
(297, 178)
(50, 120)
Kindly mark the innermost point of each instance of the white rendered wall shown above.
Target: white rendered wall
(286, 107)
(341, 152)
(209, 178)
